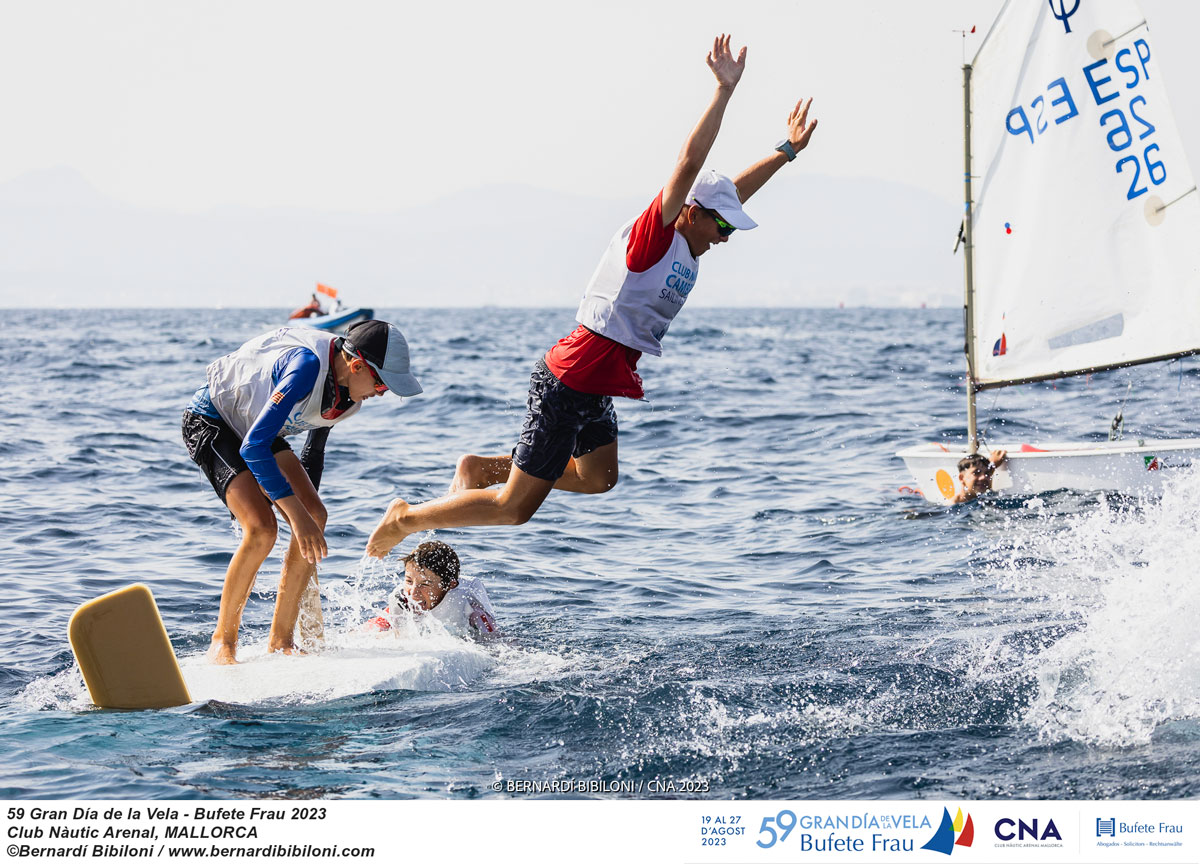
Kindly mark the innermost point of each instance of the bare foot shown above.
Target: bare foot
(287, 647)
(389, 531)
(222, 654)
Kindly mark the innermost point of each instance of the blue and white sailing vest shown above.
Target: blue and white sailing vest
(240, 384)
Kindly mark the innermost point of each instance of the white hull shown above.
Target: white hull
(1119, 466)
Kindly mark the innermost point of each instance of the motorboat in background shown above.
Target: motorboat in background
(336, 319)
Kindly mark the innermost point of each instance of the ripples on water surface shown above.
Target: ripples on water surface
(755, 605)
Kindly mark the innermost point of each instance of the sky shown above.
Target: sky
(380, 107)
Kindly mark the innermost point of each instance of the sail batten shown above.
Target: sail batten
(1073, 135)
(1091, 370)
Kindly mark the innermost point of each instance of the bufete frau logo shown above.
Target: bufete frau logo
(951, 833)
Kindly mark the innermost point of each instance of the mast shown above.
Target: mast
(968, 264)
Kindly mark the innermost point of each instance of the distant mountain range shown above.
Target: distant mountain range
(821, 241)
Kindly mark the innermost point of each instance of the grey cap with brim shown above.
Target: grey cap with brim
(384, 347)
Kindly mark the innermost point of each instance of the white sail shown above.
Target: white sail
(1086, 219)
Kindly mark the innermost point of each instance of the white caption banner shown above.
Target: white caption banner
(603, 831)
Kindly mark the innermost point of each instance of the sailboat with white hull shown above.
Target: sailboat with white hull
(1081, 234)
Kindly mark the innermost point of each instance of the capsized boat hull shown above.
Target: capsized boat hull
(333, 323)
(1118, 466)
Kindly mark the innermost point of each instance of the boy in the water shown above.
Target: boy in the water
(432, 587)
(975, 474)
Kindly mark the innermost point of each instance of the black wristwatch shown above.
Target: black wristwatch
(785, 147)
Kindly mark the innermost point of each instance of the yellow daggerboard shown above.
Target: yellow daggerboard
(124, 653)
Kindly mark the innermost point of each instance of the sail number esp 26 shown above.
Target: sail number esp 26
(1104, 85)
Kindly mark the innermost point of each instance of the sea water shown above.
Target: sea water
(757, 609)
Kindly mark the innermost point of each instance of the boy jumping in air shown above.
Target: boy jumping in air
(569, 438)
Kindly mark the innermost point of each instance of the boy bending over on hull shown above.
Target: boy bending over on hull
(975, 474)
(432, 587)
(569, 438)
(284, 382)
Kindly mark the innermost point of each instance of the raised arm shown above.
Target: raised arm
(728, 72)
(799, 131)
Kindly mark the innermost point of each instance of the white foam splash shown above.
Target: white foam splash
(1124, 582)
(63, 691)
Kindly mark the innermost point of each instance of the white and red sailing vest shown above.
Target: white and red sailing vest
(635, 309)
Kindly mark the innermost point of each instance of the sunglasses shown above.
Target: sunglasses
(380, 387)
(723, 227)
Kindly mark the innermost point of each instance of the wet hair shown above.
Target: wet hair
(437, 558)
(975, 460)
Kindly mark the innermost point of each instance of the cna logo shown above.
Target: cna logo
(1009, 830)
(951, 833)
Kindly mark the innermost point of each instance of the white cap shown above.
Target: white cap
(717, 192)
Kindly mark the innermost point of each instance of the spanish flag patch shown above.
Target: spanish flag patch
(277, 396)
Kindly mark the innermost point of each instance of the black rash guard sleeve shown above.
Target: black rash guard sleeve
(312, 457)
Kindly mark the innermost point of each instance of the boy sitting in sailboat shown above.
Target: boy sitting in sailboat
(975, 474)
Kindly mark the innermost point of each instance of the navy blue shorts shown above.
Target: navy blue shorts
(561, 423)
(217, 449)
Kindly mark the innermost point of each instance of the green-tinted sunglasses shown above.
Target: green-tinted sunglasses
(723, 227)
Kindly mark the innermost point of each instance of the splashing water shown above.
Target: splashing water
(1123, 656)
(768, 617)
